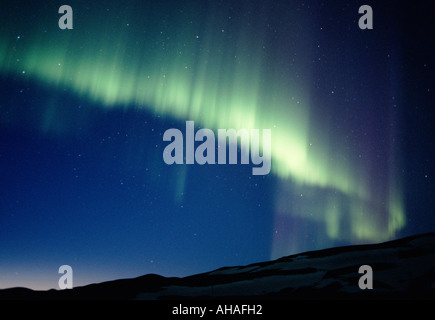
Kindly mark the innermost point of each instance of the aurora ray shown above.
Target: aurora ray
(222, 70)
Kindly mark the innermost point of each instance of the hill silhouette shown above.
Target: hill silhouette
(402, 269)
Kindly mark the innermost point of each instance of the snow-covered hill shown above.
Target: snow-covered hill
(402, 268)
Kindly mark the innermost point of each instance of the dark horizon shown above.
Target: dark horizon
(83, 113)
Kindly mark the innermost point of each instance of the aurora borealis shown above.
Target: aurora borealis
(101, 96)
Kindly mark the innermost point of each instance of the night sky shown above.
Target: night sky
(83, 113)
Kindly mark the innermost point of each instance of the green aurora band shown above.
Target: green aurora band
(219, 72)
